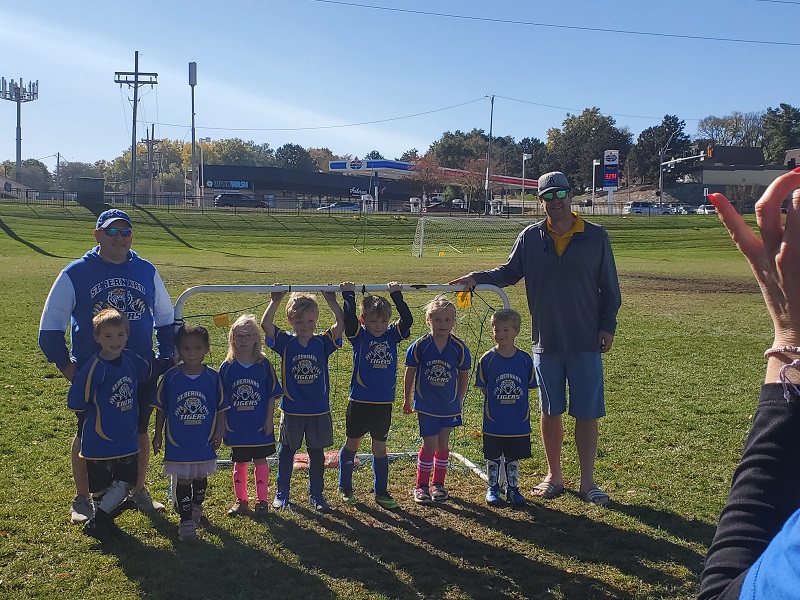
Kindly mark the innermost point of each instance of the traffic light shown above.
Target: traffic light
(710, 152)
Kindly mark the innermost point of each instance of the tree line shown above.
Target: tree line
(572, 148)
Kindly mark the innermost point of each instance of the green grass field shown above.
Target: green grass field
(681, 385)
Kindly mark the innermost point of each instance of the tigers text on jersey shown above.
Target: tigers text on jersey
(248, 389)
(375, 365)
(191, 405)
(304, 372)
(506, 409)
(436, 378)
(107, 392)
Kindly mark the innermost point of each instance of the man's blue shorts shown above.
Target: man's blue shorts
(430, 425)
(582, 371)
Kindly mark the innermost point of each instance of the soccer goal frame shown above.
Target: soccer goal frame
(466, 234)
(180, 305)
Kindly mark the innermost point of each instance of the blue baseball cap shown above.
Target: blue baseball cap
(109, 216)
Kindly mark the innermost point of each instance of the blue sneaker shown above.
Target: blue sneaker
(320, 504)
(281, 501)
(493, 497)
(514, 496)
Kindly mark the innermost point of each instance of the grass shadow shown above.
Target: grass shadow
(10, 233)
(224, 566)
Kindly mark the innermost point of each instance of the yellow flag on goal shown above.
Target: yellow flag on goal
(464, 299)
(222, 320)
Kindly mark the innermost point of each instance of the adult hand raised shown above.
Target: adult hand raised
(775, 256)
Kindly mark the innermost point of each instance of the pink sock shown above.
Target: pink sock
(261, 475)
(424, 466)
(240, 481)
(440, 462)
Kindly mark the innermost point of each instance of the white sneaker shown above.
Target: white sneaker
(145, 503)
(81, 510)
(187, 531)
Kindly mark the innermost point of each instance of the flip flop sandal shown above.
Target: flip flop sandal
(547, 490)
(595, 496)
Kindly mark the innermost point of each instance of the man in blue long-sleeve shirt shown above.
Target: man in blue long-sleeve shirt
(573, 297)
(110, 275)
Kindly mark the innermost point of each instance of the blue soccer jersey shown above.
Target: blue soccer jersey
(304, 372)
(436, 377)
(191, 405)
(506, 381)
(248, 389)
(375, 365)
(106, 391)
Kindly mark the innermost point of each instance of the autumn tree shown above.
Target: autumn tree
(426, 175)
(736, 129)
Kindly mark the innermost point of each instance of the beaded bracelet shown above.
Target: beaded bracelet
(795, 364)
(782, 350)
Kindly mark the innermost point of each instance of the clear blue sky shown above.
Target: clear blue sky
(267, 68)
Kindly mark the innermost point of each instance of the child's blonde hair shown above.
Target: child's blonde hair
(509, 315)
(110, 316)
(300, 302)
(256, 351)
(376, 305)
(440, 303)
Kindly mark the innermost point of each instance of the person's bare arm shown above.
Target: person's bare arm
(338, 314)
(268, 319)
(408, 389)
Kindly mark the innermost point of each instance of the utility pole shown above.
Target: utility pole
(124, 77)
(192, 83)
(17, 92)
(488, 199)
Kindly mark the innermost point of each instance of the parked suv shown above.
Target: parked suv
(240, 200)
(645, 208)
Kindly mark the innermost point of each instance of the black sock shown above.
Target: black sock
(199, 490)
(183, 497)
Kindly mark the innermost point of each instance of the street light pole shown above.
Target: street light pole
(205, 140)
(524, 158)
(192, 83)
(488, 198)
(595, 163)
(661, 153)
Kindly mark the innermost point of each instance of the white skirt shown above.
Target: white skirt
(198, 470)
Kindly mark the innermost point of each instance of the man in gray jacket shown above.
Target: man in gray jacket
(573, 297)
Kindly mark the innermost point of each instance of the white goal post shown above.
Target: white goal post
(466, 234)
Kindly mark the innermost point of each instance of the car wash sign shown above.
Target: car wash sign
(611, 170)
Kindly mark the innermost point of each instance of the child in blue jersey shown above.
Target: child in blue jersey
(305, 406)
(372, 385)
(505, 374)
(103, 393)
(191, 404)
(436, 380)
(251, 386)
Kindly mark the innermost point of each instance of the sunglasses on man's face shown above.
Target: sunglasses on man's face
(560, 194)
(113, 231)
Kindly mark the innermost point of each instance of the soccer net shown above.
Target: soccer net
(217, 306)
(466, 235)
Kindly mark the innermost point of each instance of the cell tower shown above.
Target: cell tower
(19, 93)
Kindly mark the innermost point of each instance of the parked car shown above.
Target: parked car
(240, 201)
(706, 209)
(687, 210)
(342, 207)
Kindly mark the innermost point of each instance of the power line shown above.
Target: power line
(420, 114)
(578, 110)
(556, 26)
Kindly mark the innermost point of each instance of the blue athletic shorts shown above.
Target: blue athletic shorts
(582, 372)
(430, 425)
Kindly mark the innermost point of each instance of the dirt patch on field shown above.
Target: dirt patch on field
(680, 284)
